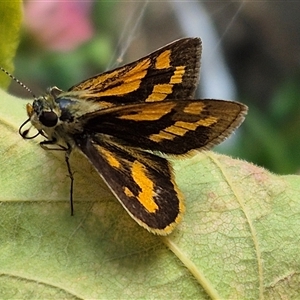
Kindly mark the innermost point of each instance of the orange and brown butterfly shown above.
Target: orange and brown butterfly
(122, 119)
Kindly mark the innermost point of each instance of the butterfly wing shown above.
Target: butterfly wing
(142, 182)
(170, 126)
(169, 73)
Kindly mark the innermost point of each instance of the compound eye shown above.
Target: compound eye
(48, 118)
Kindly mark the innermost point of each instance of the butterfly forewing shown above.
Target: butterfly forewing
(171, 126)
(168, 73)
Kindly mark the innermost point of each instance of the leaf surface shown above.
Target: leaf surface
(239, 238)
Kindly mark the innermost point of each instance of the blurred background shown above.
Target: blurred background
(251, 54)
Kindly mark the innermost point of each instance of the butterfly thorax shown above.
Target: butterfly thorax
(56, 115)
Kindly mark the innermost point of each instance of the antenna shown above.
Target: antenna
(19, 82)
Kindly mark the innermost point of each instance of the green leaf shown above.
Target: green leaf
(11, 18)
(239, 238)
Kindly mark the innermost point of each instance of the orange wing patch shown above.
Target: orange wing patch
(163, 61)
(141, 178)
(180, 128)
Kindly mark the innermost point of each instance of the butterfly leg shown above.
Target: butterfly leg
(68, 150)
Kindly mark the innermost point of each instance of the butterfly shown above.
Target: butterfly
(126, 120)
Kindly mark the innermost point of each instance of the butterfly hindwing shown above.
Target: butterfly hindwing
(142, 182)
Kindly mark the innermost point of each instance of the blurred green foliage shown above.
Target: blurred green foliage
(272, 138)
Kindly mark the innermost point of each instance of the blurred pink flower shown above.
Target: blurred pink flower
(59, 25)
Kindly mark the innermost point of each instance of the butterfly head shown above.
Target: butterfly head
(43, 114)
